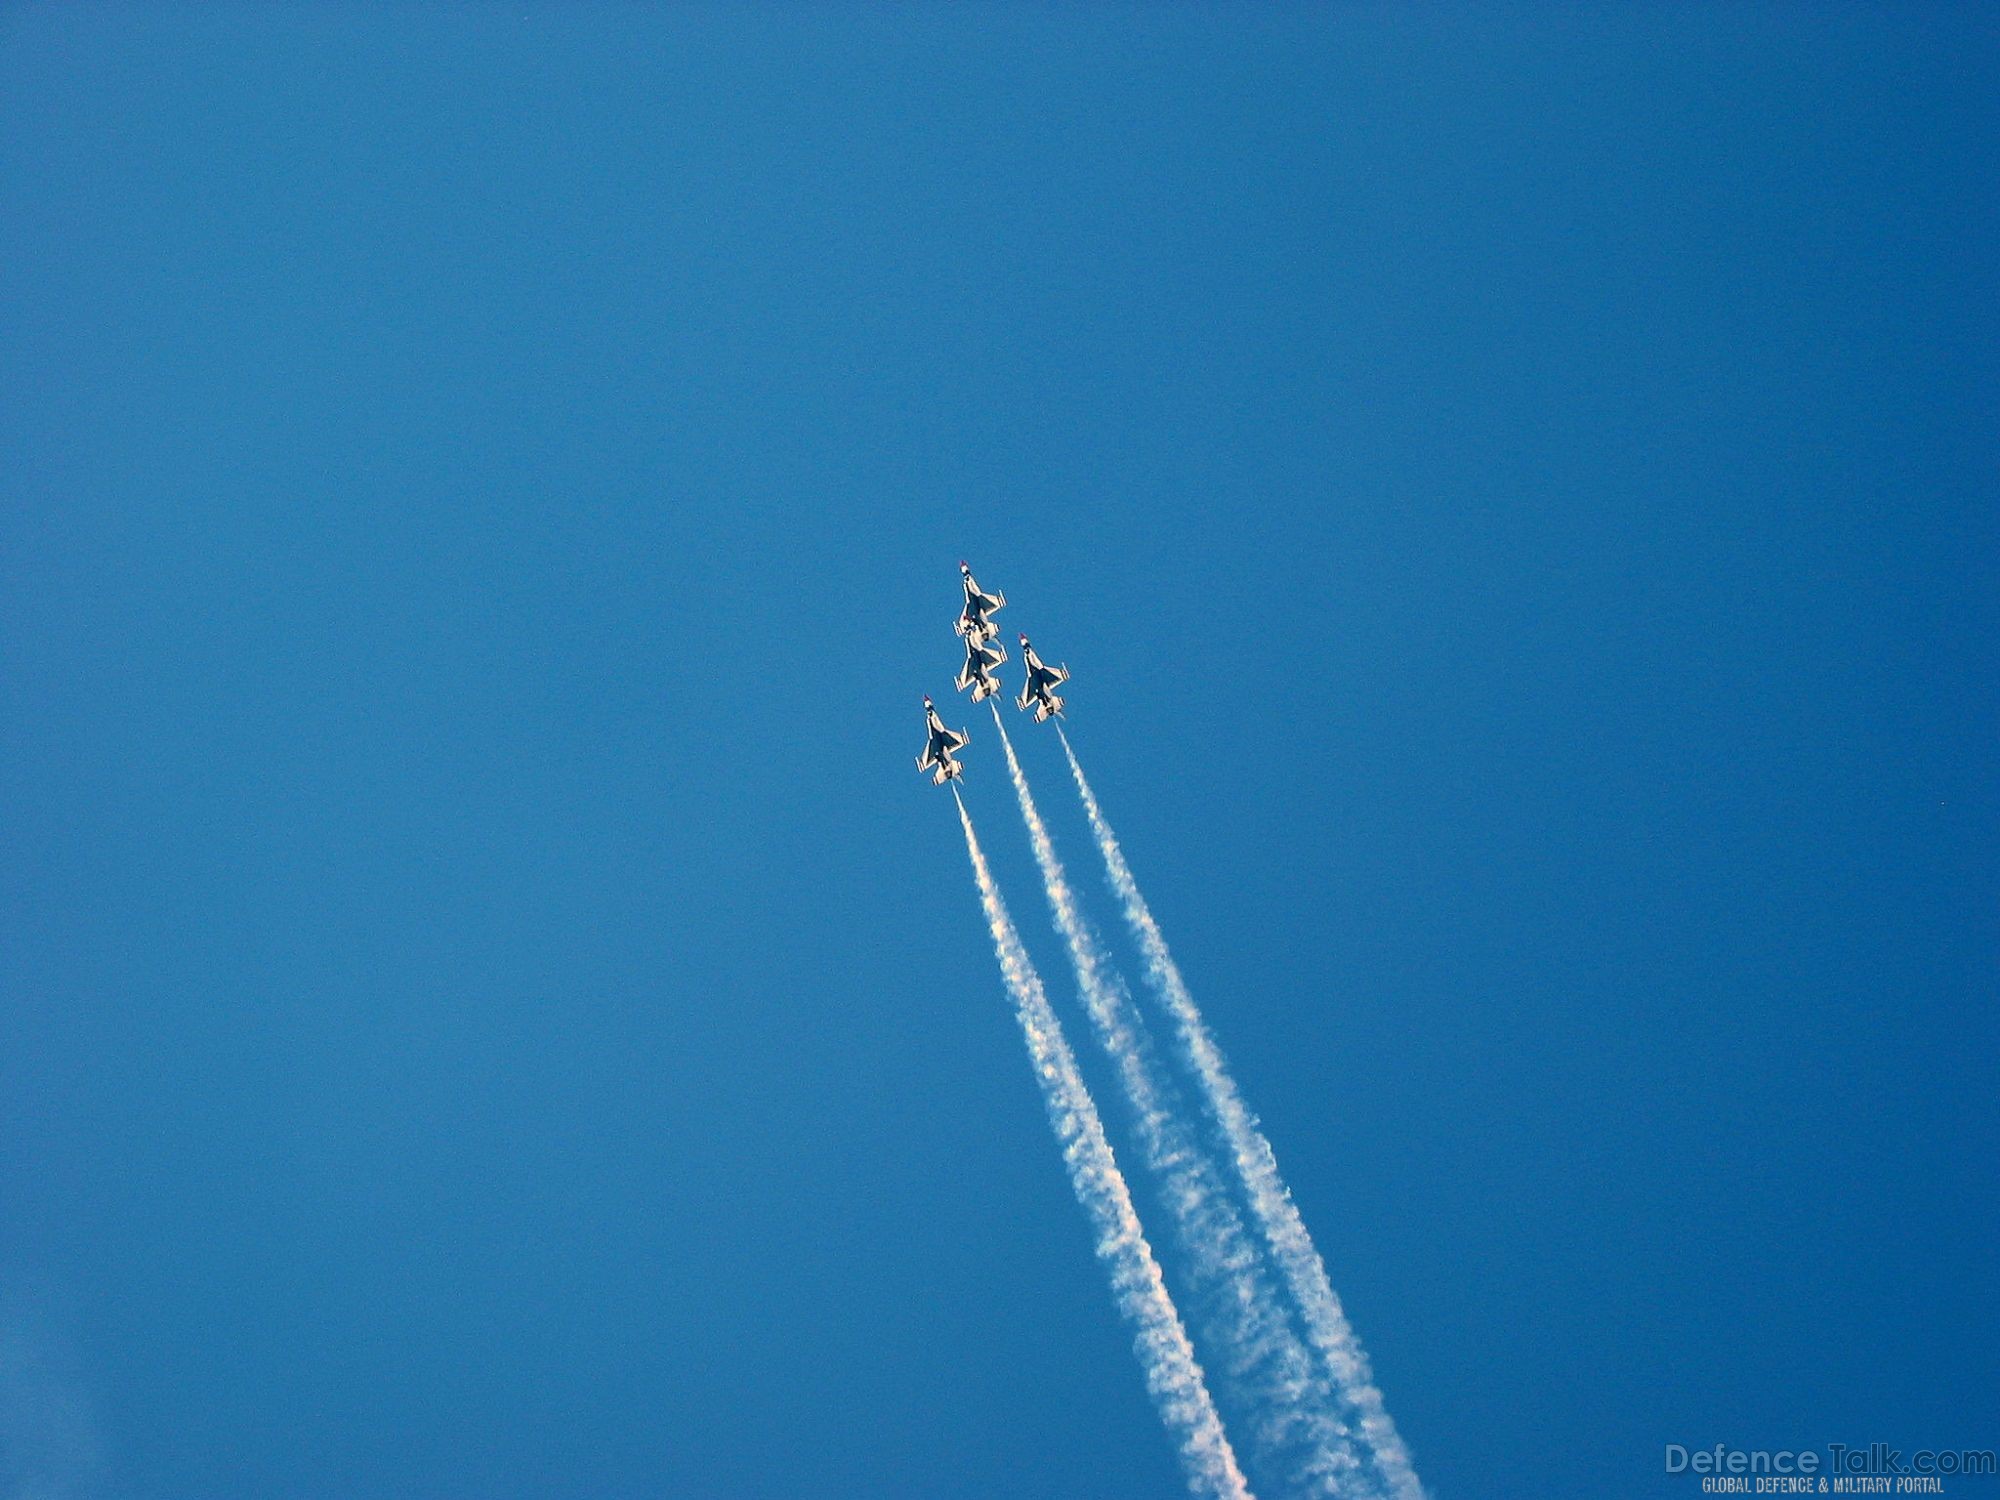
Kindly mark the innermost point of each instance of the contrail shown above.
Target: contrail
(1270, 1200)
(1172, 1375)
(1297, 1421)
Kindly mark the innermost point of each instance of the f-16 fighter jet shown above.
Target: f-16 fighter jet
(975, 621)
(1037, 690)
(981, 657)
(939, 748)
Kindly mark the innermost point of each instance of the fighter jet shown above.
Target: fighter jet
(1041, 679)
(981, 657)
(975, 621)
(938, 749)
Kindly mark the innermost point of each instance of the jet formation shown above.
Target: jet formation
(984, 653)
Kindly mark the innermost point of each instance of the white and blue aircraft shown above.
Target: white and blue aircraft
(1038, 690)
(940, 747)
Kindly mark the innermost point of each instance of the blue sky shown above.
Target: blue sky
(487, 1006)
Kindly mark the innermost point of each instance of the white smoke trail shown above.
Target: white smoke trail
(1173, 1377)
(1297, 1421)
(1270, 1200)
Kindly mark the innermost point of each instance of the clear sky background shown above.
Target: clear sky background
(487, 1006)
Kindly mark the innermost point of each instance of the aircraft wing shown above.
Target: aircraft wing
(955, 740)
